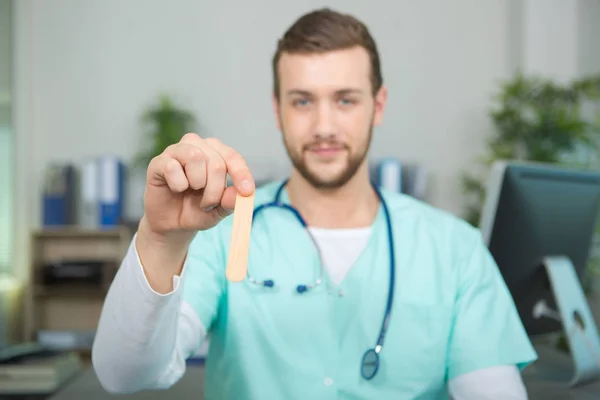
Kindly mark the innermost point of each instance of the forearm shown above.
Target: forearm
(161, 256)
(142, 340)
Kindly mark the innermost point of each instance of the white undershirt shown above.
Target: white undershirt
(135, 318)
(340, 248)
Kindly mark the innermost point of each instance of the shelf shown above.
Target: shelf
(76, 232)
(71, 305)
(74, 243)
(75, 290)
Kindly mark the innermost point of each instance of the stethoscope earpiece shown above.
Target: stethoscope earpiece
(301, 289)
(268, 283)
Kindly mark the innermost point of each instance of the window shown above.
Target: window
(6, 138)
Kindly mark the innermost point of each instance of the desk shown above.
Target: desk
(87, 387)
(557, 365)
(190, 387)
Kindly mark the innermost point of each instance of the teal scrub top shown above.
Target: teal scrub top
(451, 313)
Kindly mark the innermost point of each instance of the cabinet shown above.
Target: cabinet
(72, 304)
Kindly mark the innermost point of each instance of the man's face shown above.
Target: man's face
(326, 113)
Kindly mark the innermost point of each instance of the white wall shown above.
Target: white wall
(88, 69)
(589, 37)
(95, 65)
(6, 41)
(560, 40)
(550, 38)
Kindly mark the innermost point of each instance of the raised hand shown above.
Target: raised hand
(186, 185)
(186, 192)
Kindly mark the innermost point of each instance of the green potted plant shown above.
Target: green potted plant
(165, 124)
(539, 120)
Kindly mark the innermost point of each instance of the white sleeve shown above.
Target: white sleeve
(501, 382)
(143, 337)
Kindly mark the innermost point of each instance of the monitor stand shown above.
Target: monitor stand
(576, 318)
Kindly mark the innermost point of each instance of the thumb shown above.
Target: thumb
(227, 203)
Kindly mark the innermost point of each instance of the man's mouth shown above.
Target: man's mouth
(326, 149)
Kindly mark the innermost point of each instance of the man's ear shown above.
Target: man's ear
(276, 111)
(380, 102)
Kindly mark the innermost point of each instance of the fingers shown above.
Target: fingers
(227, 202)
(192, 138)
(236, 167)
(192, 160)
(216, 179)
(196, 163)
(175, 176)
(165, 170)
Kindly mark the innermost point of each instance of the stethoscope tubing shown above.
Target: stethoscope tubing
(302, 288)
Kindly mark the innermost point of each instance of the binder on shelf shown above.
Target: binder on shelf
(390, 174)
(89, 215)
(415, 180)
(410, 179)
(111, 175)
(59, 195)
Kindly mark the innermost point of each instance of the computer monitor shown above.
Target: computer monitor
(539, 223)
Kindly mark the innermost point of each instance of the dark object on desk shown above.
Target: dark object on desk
(80, 271)
(539, 222)
(67, 339)
(12, 352)
(40, 372)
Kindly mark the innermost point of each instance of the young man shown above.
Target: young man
(317, 293)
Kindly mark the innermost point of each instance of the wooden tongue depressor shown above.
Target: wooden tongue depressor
(237, 264)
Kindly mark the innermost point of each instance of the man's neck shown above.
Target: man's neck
(352, 206)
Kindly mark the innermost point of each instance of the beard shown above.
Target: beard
(353, 162)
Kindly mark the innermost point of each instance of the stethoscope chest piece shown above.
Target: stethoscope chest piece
(370, 363)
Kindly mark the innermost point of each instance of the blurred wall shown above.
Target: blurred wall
(589, 37)
(6, 138)
(95, 66)
(6, 42)
(87, 70)
(9, 290)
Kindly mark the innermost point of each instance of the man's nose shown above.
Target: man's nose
(325, 121)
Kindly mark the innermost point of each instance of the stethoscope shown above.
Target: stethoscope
(370, 359)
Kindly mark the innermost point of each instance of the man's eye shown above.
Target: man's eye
(346, 102)
(301, 102)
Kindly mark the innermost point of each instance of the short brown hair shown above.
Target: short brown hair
(326, 30)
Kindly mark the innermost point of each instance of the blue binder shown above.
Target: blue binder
(112, 178)
(389, 174)
(59, 195)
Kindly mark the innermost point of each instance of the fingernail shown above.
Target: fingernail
(246, 186)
